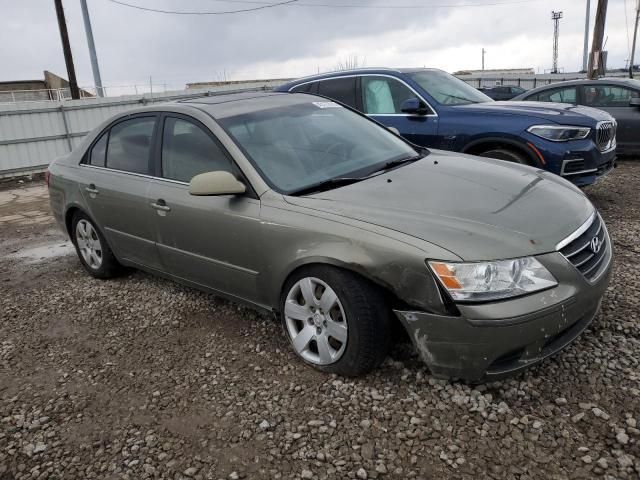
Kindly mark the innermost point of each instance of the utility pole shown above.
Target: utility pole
(68, 59)
(555, 16)
(585, 52)
(635, 36)
(483, 52)
(595, 57)
(92, 48)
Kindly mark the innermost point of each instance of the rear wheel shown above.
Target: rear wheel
(506, 154)
(335, 321)
(92, 248)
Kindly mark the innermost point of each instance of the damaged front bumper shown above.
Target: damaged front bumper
(493, 340)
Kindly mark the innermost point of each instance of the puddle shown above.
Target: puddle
(43, 252)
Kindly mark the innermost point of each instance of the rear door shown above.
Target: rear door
(208, 240)
(342, 89)
(614, 99)
(382, 98)
(117, 188)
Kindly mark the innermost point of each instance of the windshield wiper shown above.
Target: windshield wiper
(459, 98)
(327, 185)
(399, 161)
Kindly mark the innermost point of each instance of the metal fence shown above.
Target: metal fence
(61, 94)
(526, 81)
(34, 133)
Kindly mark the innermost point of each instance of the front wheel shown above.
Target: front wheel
(505, 154)
(335, 321)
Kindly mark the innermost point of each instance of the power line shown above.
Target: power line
(176, 12)
(296, 3)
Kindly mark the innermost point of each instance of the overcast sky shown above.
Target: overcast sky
(295, 40)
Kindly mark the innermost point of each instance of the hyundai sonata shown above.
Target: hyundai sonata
(297, 205)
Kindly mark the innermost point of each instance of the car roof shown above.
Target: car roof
(358, 71)
(629, 82)
(228, 105)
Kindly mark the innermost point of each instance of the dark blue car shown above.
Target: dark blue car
(434, 109)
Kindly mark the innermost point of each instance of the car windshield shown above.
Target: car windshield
(297, 146)
(447, 89)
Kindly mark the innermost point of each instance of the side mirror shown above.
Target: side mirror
(216, 183)
(634, 102)
(414, 106)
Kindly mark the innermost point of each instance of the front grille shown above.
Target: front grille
(606, 135)
(583, 253)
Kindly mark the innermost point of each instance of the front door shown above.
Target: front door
(209, 240)
(614, 99)
(117, 188)
(382, 99)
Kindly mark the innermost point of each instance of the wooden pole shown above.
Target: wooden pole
(596, 57)
(68, 59)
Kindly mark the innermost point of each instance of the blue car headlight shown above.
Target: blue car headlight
(559, 133)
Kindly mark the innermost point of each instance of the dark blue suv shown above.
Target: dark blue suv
(434, 109)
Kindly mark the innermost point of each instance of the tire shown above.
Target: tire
(92, 248)
(350, 336)
(506, 154)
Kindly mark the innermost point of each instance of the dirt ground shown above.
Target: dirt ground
(142, 378)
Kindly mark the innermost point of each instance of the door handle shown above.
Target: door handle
(161, 206)
(91, 189)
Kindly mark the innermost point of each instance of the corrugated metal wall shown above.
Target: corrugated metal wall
(32, 134)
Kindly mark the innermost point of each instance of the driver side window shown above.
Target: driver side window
(384, 95)
(187, 151)
(607, 96)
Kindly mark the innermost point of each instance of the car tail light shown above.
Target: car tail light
(47, 176)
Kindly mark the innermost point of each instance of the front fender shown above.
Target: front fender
(297, 237)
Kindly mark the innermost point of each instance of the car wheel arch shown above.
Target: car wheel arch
(335, 263)
(68, 220)
(386, 287)
(485, 144)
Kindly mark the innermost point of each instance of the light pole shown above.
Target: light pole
(585, 53)
(92, 48)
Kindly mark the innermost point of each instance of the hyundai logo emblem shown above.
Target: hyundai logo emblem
(595, 244)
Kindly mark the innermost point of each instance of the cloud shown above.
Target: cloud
(293, 41)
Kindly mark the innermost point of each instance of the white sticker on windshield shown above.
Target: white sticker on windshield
(327, 105)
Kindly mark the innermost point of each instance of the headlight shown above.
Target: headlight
(484, 281)
(559, 133)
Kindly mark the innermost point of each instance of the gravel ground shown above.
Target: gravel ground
(142, 378)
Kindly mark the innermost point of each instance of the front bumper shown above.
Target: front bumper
(497, 339)
(578, 161)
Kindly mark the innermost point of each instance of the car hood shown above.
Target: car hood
(563, 113)
(477, 208)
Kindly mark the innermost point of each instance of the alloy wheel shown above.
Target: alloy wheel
(315, 321)
(89, 244)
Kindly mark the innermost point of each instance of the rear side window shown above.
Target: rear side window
(187, 150)
(306, 88)
(384, 95)
(340, 89)
(558, 95)
(129, 145)
(99, 150)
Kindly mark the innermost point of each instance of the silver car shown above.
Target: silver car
(294, 204)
